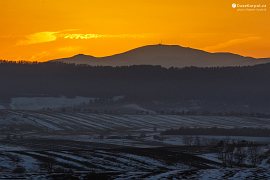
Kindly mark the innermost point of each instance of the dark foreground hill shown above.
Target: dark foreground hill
(234, 87)
(166, 56)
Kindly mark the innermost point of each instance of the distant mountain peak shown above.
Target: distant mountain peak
(81, 56)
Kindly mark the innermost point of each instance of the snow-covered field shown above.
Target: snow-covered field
(122, 130)
(99, 161)
(56, 121)
(122, 164)
(41, 144)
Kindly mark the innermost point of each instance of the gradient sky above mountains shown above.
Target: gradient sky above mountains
(40, 30)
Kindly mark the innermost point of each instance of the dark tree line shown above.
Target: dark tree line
(212, 86)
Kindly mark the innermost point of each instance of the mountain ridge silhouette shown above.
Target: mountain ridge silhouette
(166, 56)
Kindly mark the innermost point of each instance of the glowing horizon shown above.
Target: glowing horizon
(40, 30)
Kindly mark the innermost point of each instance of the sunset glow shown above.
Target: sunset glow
(40, 30)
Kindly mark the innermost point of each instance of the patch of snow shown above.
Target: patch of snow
(265, 163)
(29, 163)
(5, 162)
(146, 160)
(137, 108)
(118, 98)
(211, 174)
(211, 157)
(4, 147)
(165, 175)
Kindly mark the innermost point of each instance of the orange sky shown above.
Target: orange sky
(39, 30)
